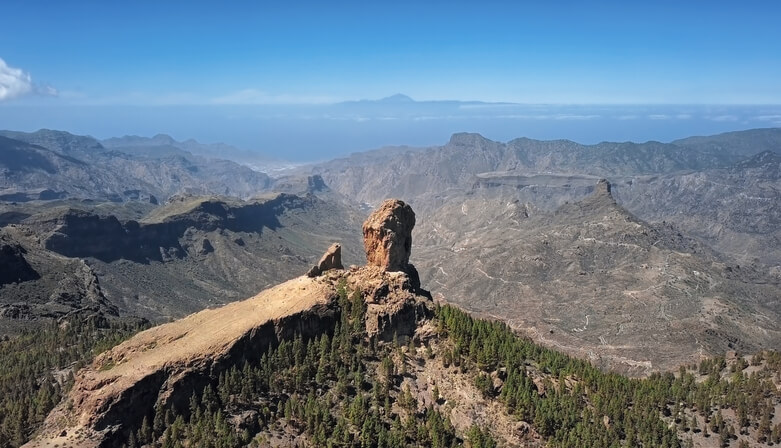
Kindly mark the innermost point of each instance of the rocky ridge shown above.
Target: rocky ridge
(161, 367)
(188, 254)
(54, 164)
(591, 279)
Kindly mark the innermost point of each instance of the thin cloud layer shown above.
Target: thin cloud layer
(254, 96)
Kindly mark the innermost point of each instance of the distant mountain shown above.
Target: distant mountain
(397, 98)
(61, 142)
(161, 145)
(715, 187)
(81, 167)
(739, 143)
(436, 169)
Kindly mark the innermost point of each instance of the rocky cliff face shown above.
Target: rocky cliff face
(161, 367)
(186, 255)
(394, 302)
(76, 233)
(15, 266)
(387, 235)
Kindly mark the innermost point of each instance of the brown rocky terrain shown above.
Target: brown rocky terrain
(723, 188)
(163, 366)
(736, 210)
(502, 217)
(187, 255)
(593, 280)
(441, 371)
(673, 203)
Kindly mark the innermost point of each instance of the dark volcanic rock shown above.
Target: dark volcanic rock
(14, 266)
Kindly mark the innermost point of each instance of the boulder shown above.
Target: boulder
(331, 259)
(387, 236)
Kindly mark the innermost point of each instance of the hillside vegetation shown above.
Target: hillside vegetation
(344, 389)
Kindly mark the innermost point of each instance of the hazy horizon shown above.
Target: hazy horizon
(306, 133)
(287, 80)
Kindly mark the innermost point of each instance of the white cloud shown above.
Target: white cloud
(659, 117)
(683, 116)
(13, 82)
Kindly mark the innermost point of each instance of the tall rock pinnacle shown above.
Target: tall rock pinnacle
(387, 236)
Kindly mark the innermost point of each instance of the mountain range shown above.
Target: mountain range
(634, 258)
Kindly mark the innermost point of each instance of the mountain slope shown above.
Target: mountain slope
(737, 210)
(593, 280)
(187, 255)
(86, 169)
(311, 362)
(161, 145)
(412, 174)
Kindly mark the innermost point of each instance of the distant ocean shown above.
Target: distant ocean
(318, 132)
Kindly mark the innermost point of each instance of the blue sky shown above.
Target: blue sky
(62, 55)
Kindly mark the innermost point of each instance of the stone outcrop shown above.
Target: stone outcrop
(331, 259)
(603, 188)
(160, 368)
(387, 236)
(14, 266)
(394, 301)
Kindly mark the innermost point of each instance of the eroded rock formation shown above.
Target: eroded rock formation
(14, 266)
(603, 188)
(331, 259)
(394, 301)
(161, 367)
(387, 236)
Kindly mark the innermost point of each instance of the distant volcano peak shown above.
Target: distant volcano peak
(397, 98)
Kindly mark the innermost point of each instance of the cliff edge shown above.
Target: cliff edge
(162, 366)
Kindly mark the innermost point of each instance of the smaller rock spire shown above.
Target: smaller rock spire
(331, 259)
